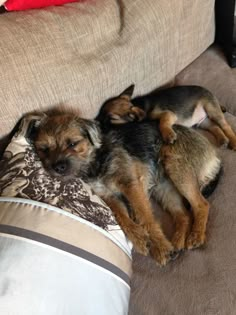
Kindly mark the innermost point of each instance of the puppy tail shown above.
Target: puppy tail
(211, 186)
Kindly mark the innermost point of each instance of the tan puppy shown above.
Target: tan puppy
(126, 166)
(184, 105)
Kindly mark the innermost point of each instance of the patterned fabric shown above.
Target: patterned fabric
(83, 53)
(22, 175)
(60, 245)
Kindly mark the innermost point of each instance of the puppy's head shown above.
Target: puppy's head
(66, 144)
(120, 110)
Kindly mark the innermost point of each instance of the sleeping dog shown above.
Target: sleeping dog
(128, 164)
(184, 105)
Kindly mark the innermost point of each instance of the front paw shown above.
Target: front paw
(232, 145)
(124, 115)
(223, 143)
(195, 240)
(137, 113)
(178, 241)
(169, 136)
(162, 252)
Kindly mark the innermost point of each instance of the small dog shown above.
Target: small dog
(184, 105)
(128, 164)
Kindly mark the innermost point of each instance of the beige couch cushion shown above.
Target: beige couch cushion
(83, 53)
(201, 281)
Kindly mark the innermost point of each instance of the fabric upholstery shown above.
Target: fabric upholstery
(200, 281)
(47, 268)
(55, 238)
(83, 53)
(212, 71)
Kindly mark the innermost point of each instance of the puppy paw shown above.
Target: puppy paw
(223, 143)
(137, 113)
(162, 252)
(178, 241)
(169, 137)
(195, 240)
(232, 146)
(127, 114)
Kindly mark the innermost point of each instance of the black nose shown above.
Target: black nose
(60, 167)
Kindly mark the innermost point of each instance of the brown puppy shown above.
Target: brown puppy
(126, 166)
(184, 105)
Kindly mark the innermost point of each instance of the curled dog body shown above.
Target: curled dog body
(128, 164)
(183, 105)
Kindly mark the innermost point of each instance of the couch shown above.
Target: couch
(80, 54)
(75, 57)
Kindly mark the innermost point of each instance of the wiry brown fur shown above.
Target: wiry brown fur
(126, 166)
(183, 105)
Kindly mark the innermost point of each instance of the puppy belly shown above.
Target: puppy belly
(199, 115)
(209, 171)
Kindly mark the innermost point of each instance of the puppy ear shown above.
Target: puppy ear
(33, 121)
(92, 130)
(127, 93)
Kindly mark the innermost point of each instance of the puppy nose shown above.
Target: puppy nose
(60, 167)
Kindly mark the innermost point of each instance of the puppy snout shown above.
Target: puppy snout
(61, 167)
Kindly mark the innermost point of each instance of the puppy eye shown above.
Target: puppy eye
(45, 150)
(72, 144)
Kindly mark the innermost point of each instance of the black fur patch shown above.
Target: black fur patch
(209, 189)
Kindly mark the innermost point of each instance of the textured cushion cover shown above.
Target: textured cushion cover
(83, 53)
(202, 281)
(61, 249)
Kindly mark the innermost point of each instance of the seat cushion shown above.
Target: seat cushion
(81, 54)
(60, 245)
(200, 281)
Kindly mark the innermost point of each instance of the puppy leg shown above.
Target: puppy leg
(185, 181)
(214, 112)
(134, 232)
(212, 127)
(182, 226)
(171, 200)
(167, 120)
(160, 247)
(200, 208)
